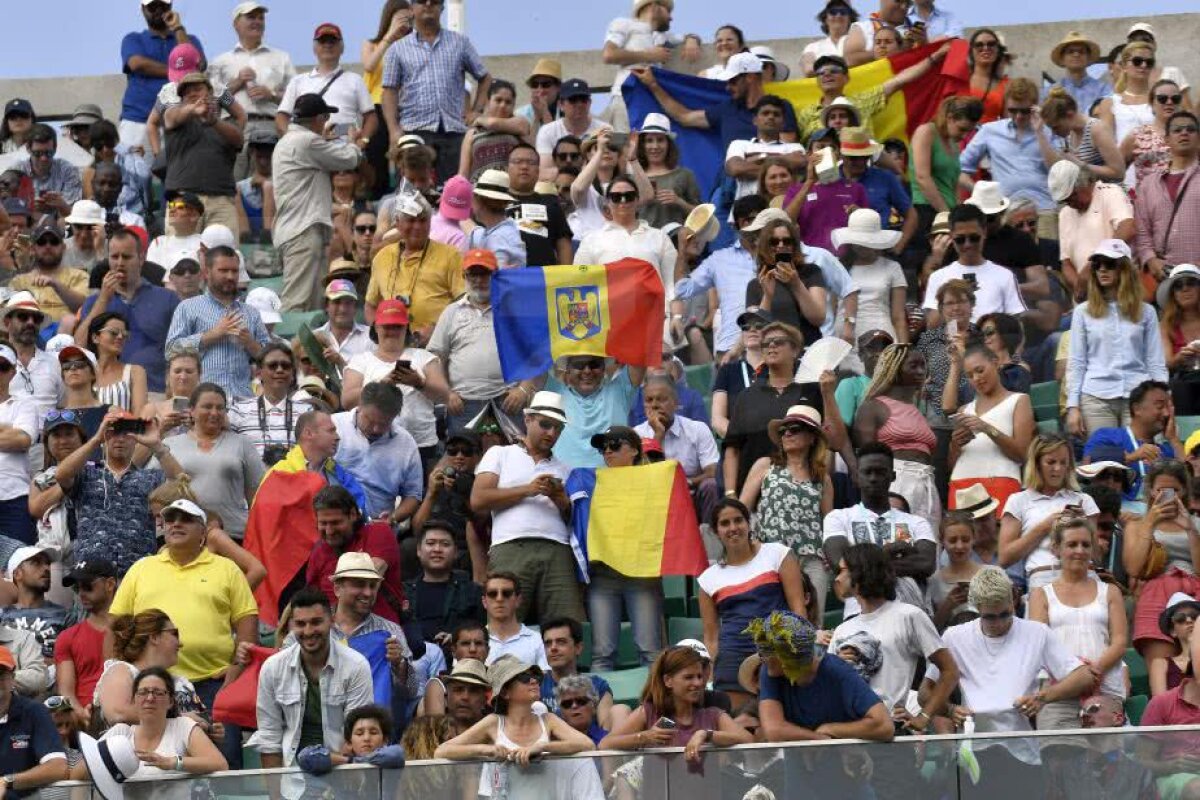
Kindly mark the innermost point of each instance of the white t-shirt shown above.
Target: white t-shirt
(549, 134)
(1030, 507)
(634, 34)
(750, 148)
(417, 414)
(166, 250)
(20, 413)
(875, 283)
(860, 525)
(993, 672)
(906, 637)
(348, 94)
(825, 47)
(996, 288)
(534, 517)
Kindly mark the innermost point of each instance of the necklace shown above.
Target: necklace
(1002, 639)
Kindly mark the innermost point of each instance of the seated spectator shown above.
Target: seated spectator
(462, 692)
(690, 402)
(494, 230)
(184, 210)
(1155, 244)
(744, 157)
(79, 650)
(1000, 687)
(688, 441)
(946, 591)
(791, 492)
(563, 642)
(994, 286)
(32, 678)
(1148, 435)
(1095, 217)
(108, 190)
(1168, 755)
(201, 149)
(1179, 304)
(367, 733)
(29, 570)
(41, 761)
(441, 597)
(346, 685)
(507, 635)
(751, 580)
(381, 454)
(88, 242)
(269, 421)
(445, 226)
(109, 498)
(19, 426)
(576, 701)
(1178, 621)
(1004, 336)
(343, 529)
(58, 288)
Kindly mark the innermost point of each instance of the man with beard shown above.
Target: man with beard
(29, 570)
(59, 290)
(467, 693)
(381, 453)
(38, 375)
(310, 669)
(79, 650)
(464, 339)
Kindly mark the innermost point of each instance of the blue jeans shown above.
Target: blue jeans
(231, 744)
(643, 602)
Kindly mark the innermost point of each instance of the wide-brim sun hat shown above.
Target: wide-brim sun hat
(110, 763)
(1163, 293)
(749, 672)
(504, 669)
(865, 229)
(989, 198)
(804, 415)
(702, 223)
(975, 500)
(1074, 37)
(494, 184)
(767, 56)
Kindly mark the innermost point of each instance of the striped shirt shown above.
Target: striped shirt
(432, 77)
(225, 363)
(264, 423)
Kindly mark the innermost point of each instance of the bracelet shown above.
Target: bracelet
(179, 764)
(730, 493)
(524, 391)
(921, 713)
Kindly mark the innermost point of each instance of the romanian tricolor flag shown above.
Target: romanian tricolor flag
(281, 532)
(700, 149)
(544, 313)
(639, 521)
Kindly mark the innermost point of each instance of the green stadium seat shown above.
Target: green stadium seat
(292, 320)
(1134, 708)
(1187, 426)
(1046, 413)
(1044, 394)
(274, 284)
(700, 377)
(675, 594)
(1048, 425)
(832, 619)
(1139, 675)
(585, 657)
(694, 607)
(684, 628)
(627, 684)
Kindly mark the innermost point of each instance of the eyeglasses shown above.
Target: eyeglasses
(328, 39)
(186, 268)
(41, 153)
(1019, 111)
(543, 83)
(595, 363)
(999, 616)
(781, 241)
(549, 424)
(364, 228)
(779, 341)
(968, 238)
(988, 332)
(1142, 61)
(176, 515)
(1183, 129)
(753, 326)
(496, 594)
(574, 702)
(622, 197)
(459, 451)
(1185, 283)
(74, 364)
(1172, 99)
(825, 72)
(612, 445)
(115, 333)
(564, 156)
(156, 694)
(985, 44)
(58, 701)
(277, 366)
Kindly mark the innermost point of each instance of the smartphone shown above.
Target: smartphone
(666, 723)
(180, 405)
(970, 278)
(618, 140)
(964, 585)
(129, 426)
(1166, 496)
(951, 328)
(404, 363)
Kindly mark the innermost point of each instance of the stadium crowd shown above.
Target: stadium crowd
(931, 399)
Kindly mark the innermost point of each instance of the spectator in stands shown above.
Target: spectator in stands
(1074, 53)
(494, 231)
(299, 165)
(18, 121)
(56, 181)
(577, 702)
(184, 211)
(34, 754)
(493, 134)
(441, 596)
(448, 499)
(988, 60)
(117, 384)
(790, 281)
(37, 374)
(1093, 214)
(861, 41)
(933, 171)
(947, 588)
(469, 644)
(626, 236)
(878, 303)
(32, 679)
(417, 373)
(254, 73)
(1006, 677)
(269, 420)
(835, 20)
(79, 650)
(343, 530)
(316, 444)
(887, 42)
(29, 570)
(507, 635)
(425, 275)
(344, 337)
(367, 732)
(1029, 515)
(1178, 621)
(79, 387)
(201, 148)
(88, 244)
(254, 190)
(563, 642)
(792, 493)
(1150, 434)
(462, 693)
(1136, 70)
(144, 56)
(995, 287)
(736, 375)
(675, 190)
(1169, 230)
(1179, 304)
(223, 329)
(752, 579)
(432, 103)
(346, 91)
(326, 679)
(19, 424)
(139, 641)
(539, 217)
(1169, 755)
(1101, 376)
(107, 188)
(59, 289)
(544, 82)
(186, 278)
(744, 157)
(1145, 148)
(688, 441)
(381, 454)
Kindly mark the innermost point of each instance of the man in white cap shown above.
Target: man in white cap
(521, 486)
(641, 39)
(1091, 212)
(344, 337)
(37, 373)
(29, 570)
(87, 245)
(254, 73)
(20, 425)
(495, 231)
(744, 157)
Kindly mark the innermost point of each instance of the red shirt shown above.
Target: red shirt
(1170, 708)
(376, 539)
(82, 645)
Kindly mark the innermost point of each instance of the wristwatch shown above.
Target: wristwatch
(10, 781)
(708, 734)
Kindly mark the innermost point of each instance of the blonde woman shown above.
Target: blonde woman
(1128, 107)
(1179, 329)
(1100, 374)
(1090, 143)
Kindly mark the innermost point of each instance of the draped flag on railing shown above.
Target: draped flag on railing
(544, 313)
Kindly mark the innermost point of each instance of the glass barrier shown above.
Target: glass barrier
(1126, 763)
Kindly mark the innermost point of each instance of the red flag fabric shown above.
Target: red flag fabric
(281, 532)
(237, 703)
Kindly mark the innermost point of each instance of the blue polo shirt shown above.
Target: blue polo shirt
(836, 694)
(142, 90)
(887, 195)
(735, 121)
(1105, 441)
(27, 738)
(148, 315)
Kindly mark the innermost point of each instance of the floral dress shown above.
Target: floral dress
(789, 512)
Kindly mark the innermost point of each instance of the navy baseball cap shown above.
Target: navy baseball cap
(18, 105)
(16, 206)
(574, 87)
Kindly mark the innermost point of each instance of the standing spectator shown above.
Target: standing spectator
(494, 134)
(788, 283)
(376, 449)
(641, 39)
(19, 430)
(1124, 110)
(1145, 147)
(888, 194)
(343, 335)
(448, 499)
(255, 74)
(56, 181)
(596, 395)
(253, 190)
(995, 287)
(934, 170)
(430, 65)
(144, 57)
(345, 91)
(269, 420)
(676, 192)
(222, 328)
(819, 207)
(879, 302)
(41, 760)
(736, 375)
(1168, 229)
(1115, 343)
(544, 82)
(507, 635)
(575, 122)
(946, 590)
(521, 485)
(319, 680)
(304, 197)
(744, 157)
(539, 217)
(201, 148)
(1179, 300)
(988, 61)
(1074, 53)
(1093, 213)
(1085, 141)
(29, 570)
(79, 650)
(494, 230)
(835, 20)
(58, 289)
(626, 236)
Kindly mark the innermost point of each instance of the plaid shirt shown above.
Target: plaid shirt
(1152, 211)
(432, 75)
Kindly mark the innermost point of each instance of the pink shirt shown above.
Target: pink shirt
(447, 231)
(1170, 708)
(828, 206)
(1080, 232)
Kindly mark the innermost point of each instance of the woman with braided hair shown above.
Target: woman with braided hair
(889, 414)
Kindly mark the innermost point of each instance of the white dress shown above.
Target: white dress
(1126, 117)
(981, 457)
(875, 283)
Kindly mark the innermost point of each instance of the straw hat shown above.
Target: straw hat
(494, 185)
(470, 671)
(856, 142)
(1075, 37)
(865, 229)
(941, 223)
(356, 565)
(545, 68)
(702, 223)
(975, 500)
(839, 102)
(805, 415)
(504, 669)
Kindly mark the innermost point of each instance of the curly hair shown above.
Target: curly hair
(131, 632)
(871, 571)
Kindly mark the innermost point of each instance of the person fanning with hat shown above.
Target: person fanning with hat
(494, 230)
(791, 492)
(32, 754)
(544, 82)
(1179, 328)
(879, 302)
(676, 192)
(513, 736)
(493, 134)
(1178, 621)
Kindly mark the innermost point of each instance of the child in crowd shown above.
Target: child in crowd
(368, 731)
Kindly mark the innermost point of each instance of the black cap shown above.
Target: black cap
(311, 105)
(753, 312)
(622, 432)
(836, 61)
(823, 133)
(46, 227)
(18, 105)
(88, 571)
(262, 137)
(189, 199)
(466, 437)
(574, 87)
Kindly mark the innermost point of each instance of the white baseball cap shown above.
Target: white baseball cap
(264, 300)
(23, 554)
(189, 508)
(246, 8)
(740, 64)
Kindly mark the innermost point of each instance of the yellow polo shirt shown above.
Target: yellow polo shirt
(205, 599)
(432, 279)
(48, 300)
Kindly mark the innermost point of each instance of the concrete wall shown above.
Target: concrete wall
(1030, 44)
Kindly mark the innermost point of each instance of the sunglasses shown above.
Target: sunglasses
(1019, 111)
(177, 205)
(277, 366)
(571, 702)
(1183, 129)
(988, 332)
(968, 238)
(838, 11)
(175, 515)
(115, 333)
(41, 154)
(1101, 263)
(1182, 617)
(26, 316)
(1164, 99)
(1186, 283)
(549, 425)
(58, 701)
(529, 676)
(781, 241)
(997, 617)
(459, 451)
(612, 445)
(496, 594)
(73, 417)
(490, 427)
(1142, 61)
(985, 44)
(328, 40)
(622, 197)
(189, 268)
(595, 363)
(576, 156)
(427, 2)
(779, 341)
(543, 83)
(753, 326)
(74, 364)
(825, 72)
(791, 430)
(364, 228)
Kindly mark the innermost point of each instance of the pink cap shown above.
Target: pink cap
(184, 59)
(456, 199)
